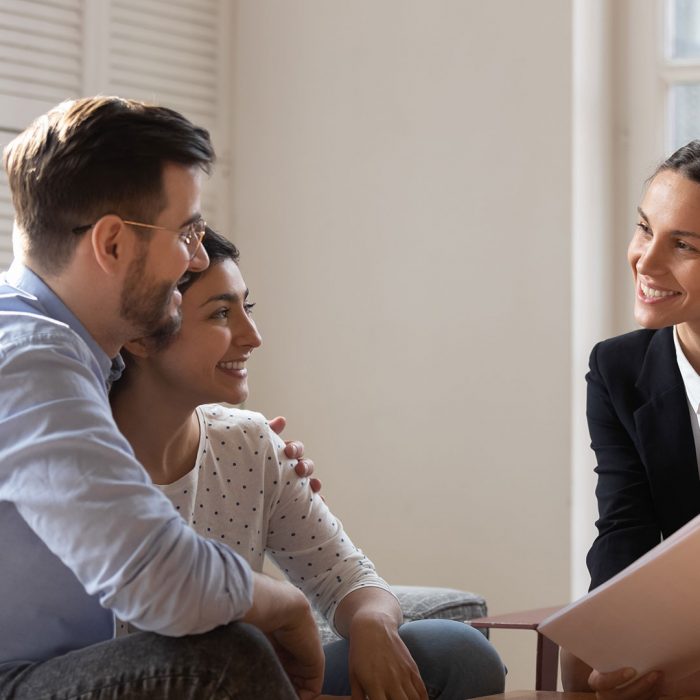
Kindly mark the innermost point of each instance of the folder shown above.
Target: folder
(647, 617)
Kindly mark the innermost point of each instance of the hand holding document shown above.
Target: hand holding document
(647, 617)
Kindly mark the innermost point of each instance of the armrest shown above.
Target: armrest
(547, 662)
(521, 620)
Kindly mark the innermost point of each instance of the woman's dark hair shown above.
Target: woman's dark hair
(218, 249)
(685, 161)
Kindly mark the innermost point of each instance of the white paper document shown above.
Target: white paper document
(647, 617)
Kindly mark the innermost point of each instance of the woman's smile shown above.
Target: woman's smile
(234, 368)
(651, 294)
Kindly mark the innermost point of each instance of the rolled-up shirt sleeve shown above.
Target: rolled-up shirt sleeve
(74, 480)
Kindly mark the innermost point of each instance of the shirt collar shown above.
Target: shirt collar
(691, 379)
(24, 279)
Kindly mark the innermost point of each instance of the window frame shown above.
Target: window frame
(673, 72)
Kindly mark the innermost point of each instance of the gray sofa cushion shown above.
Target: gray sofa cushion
(424, 602)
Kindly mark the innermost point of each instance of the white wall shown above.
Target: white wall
(401, 195)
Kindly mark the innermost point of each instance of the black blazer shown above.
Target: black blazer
(639, 421)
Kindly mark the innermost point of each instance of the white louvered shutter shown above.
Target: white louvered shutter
(173, 52)
(41, 52)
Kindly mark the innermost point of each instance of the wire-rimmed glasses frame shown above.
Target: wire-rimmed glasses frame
(191, 235)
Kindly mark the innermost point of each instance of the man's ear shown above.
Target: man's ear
(140, 347)
(112, 243)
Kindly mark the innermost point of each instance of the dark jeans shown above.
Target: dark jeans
(455, 661)
(233, 661)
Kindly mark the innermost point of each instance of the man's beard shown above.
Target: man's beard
(144, 304)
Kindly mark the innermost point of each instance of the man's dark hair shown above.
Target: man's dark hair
(90, 157)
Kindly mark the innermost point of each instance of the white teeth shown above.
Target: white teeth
(231, 365)
(654, 293)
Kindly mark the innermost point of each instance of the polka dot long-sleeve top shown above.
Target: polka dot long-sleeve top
(243, 491)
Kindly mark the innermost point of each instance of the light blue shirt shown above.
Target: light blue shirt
(84, 534)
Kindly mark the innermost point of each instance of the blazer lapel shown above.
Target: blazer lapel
(665, 435)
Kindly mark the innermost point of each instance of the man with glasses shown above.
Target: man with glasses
(107, 197)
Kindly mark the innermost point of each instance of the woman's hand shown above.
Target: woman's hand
(380, 665)
(619, 685)
(578, 677)
(294, 449)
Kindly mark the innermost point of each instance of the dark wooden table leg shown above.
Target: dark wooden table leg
(547, 664)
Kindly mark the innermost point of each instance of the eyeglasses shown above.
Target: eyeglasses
(191, 235)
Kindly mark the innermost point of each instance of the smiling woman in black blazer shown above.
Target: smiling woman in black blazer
(643, 426)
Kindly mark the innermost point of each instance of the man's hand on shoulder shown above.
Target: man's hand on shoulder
(294, 449)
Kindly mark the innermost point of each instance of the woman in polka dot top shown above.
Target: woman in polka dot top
(226, 473)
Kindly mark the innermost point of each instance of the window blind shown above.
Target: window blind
(172, 52)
